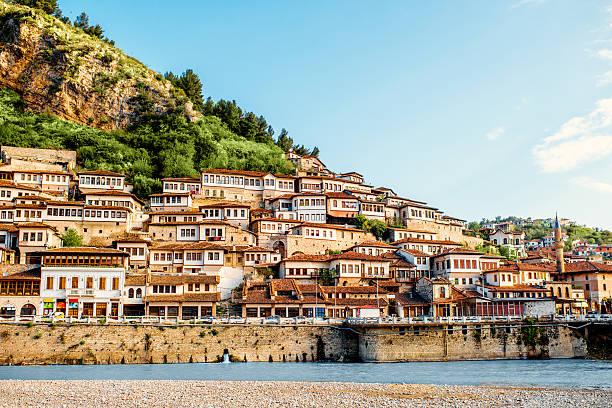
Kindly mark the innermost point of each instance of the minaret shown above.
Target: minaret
(559, 246)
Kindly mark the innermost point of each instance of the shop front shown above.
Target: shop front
(7, 311)
(48, 306)
(73, 307)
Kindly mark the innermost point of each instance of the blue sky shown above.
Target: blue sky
(480, 108)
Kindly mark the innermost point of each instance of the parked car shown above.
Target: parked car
(207, 320)
(237, 319)
(299, 320)
(274, 319)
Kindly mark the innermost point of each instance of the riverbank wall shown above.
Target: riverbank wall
(138, 344)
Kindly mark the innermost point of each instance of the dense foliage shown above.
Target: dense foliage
(71, 238)
(376, 227)
(159, 146)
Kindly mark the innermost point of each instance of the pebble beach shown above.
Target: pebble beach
(113, 393)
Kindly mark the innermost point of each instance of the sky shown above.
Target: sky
(479, 108)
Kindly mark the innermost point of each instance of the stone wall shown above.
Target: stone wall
(468, 342)
(93, 233)
(294, 244)
(445, 232)
(131, 344)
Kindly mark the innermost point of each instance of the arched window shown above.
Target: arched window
(567, 294)
(138, 293)
(442, 292)
(28, 310)
(559, 292)
(131, 293)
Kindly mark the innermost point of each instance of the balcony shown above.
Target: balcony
(80, 292)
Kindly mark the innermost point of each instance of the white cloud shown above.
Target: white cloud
(605, 53)
(579, 140)
(495, 134)
(522, 3)
(604, 79)
(591, 184)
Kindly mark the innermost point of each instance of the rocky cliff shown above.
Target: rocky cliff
(61, 70)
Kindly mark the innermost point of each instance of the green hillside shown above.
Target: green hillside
(158, 146)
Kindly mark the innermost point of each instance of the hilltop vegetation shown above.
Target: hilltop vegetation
(539, 229)
(158, 146)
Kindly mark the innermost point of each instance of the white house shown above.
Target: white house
(83, 281)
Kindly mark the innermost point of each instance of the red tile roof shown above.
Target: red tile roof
(101, 173)
(188, 246)
(425, 241)
(376, 244)
(587, 266)
(352, 255)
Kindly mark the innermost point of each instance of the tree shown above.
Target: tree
(48, 6)
(72, 239)
(508, 253)
(474, 226)
(327, 277)
(301, 150)
(315, 152)
(377, 227)
(284, 141)
(361, 222)
(82, 22)
(190, 83)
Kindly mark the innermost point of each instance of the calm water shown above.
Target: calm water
(552, 373)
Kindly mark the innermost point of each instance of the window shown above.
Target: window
(62, 282)
(75, 282)
(115, 283)
(89, 283)
(102, 284)
(49, 282)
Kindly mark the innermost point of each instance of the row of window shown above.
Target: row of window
(216, 213)
(101, 181)
(410, 274)
(74, 283)
(314, 202)
(507, 295)
(195, 188)
(313, 217)
(36, 177)
(190, 256)
(256, 257)
(32, 236)
(333, 187)
(315, 232)
(20, 288)
(164, 289)
(350, 268)
(372, 208)
(111, 203)
(188, 232)
(168, 200)
(82, 260)
(134, 251)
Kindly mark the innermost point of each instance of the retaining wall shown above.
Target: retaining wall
(130, 344)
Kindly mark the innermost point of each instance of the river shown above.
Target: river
(526, 373)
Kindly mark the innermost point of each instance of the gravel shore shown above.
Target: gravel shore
(16, 393)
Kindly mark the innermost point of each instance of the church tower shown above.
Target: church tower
(559, 246)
